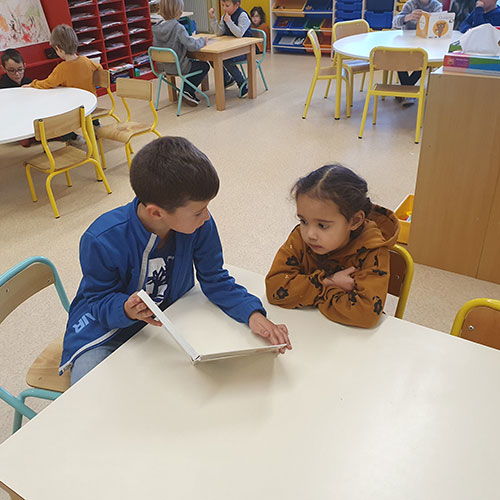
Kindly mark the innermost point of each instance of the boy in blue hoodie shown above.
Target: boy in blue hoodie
(486, 11)
(152, 244)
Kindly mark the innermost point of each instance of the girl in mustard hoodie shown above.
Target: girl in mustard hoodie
(337, 258)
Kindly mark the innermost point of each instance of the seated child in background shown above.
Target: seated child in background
(152, 243)
(461, 8)
(337, 258)
(13, 64)
(407, 19)
(75, 71)
(258, 18)
(235, 22)
(173, 35)
(486, 11)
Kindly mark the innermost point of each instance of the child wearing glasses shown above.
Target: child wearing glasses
(13, 65)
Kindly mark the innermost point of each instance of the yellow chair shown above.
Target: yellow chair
(396, 59)
(479, 321)
(102, 79)
(352, 66)
(401, 276)
(64, 159)
(323, 73)
(124, 132)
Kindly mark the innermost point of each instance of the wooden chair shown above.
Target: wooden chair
(352, 66)
(102, 79)
(401, 276)
(479, 321)
(16, 286)
(259, 34)
(124, 132)
(396, 59)
(323, 73)
(64, 159)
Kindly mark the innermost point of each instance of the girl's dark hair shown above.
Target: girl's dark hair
(170, 172)
(338, 184)
(259, 11)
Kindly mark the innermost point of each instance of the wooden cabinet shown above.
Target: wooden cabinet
(456, 215)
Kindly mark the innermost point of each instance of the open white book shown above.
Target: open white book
(217, 336)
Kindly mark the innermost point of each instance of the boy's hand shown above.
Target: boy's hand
(479, 4)
(342, 279)
(211, 13)
(414, 16)
(26, 86)
(135, 308)
(227, 18)
(276, 334)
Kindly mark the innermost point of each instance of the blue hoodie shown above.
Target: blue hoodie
(114, 255)
(478, 17)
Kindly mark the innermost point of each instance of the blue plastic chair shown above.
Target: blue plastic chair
(260, 34)
(164, 55)
(17, 285)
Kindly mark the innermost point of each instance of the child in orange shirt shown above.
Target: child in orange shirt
(258, 18)
(337, 258)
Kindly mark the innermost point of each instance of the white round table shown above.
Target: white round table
(360, 46)
(21, 106)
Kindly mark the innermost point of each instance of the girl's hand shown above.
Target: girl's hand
(276, 334)
(135, 308)
(211, 13)
(342, 279)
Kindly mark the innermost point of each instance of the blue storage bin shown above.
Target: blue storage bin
(318, 6)
(282, 22)
(349, 6)
(341, 15)
(297, 22)
(281, 41)
(379, 20)
(379, 5)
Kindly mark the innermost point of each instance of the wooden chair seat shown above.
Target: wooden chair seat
(100, 112)
(44, 372)
(357, 66)
(327, 71)
(406, 90)
(63, 157)
(122, 132)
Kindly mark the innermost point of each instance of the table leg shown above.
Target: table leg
(252, 73)
(338, 88)
(172, 93)
(220, 97)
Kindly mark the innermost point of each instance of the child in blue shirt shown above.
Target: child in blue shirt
(235, 22)
(486, 11)
(152, 244)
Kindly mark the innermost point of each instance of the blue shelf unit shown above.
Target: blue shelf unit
(379, 13)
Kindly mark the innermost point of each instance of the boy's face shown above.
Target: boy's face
(14, 70)
(189, 218)
(229, 7)
(489, 5)
(424, 2)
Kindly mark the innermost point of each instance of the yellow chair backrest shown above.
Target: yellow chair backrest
(134, 88)
(102, 78)
(398, 59)
(58, 125)
(348, 28)
(479, 321)
(401, 276)
(311, 34)
(161, 56)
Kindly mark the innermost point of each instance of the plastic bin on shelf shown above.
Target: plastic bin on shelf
(282, 22)
(341, 15)
(325, 42)
(289, 40)
(379, 5)
(314, 23)
(326, 24)
(313, 6)
(292, 8)
(379, 20)
(349, 6)
(403, 213)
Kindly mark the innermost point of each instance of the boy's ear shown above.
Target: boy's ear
(154, 211)
(357, 220)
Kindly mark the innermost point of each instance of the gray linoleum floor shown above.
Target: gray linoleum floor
(259, 147)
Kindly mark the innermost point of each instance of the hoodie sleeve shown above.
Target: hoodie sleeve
(215, 281)
(399, 20)
(192, 44)
(286, 283)
(364, 304)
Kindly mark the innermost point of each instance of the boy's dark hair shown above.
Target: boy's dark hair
(234, 2)
(338, 184)
(13, 54)
(170, 172)
(259, 11)
(64, 37)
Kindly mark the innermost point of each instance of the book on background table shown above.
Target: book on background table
(217, 337)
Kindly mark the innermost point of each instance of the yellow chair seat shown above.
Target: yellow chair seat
(64, 157)
(44, 372)
(404, 90)
(122, 132)
(100, 112)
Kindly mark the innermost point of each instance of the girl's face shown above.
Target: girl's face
(322, 226)
(256, 19)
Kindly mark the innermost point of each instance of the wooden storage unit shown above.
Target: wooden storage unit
(456, 215)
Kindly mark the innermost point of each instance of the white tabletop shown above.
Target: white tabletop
(21, 106)
(396, 412)
(360, 46)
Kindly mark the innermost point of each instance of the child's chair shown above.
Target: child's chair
(396, 59)
(64, 159)
(401, 276)
(16, 286)
(352, 66)
(124, 132)
(102, 79)
(259, 34)
(479, 321)
(164, 55)
(324, 73)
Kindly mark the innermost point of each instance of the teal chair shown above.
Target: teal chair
(163, 55)
(17, 285)
(260, 34)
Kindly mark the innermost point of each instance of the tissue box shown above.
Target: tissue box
(435, 24)
(463, 63)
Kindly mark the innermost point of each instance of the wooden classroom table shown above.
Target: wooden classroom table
(395, 412)
(360, 46)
